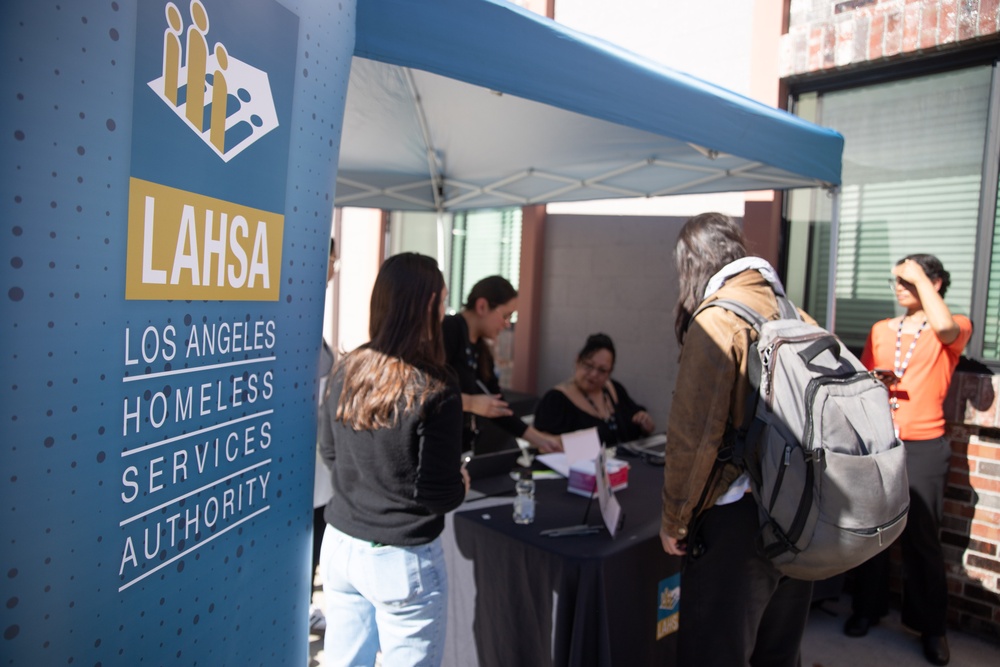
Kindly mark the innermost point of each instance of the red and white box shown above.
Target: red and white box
(583, 480)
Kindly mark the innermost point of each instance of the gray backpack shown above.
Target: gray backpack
(825, 466)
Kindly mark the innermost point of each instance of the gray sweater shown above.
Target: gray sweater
(394, 485)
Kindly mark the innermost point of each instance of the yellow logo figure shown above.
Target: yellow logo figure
(668, 615)
(670, 598)
(225, 101)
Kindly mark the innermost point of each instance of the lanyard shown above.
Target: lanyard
(900, 368)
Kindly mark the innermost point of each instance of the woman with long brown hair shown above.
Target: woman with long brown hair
(736, 608)
(391, 433)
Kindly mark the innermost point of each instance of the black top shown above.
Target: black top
(394, 485)
(557, 414)
(463, 358)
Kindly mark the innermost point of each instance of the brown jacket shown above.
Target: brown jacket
(711, 391)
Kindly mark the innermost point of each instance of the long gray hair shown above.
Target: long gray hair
(707, 243)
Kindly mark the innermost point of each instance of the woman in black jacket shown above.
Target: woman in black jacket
(467, 335)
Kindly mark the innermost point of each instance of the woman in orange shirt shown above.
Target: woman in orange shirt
(915, 355)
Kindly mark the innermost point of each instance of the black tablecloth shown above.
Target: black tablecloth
(602, 595)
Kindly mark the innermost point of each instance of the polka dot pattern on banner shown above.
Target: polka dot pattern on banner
(68, 386)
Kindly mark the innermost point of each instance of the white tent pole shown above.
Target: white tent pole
(831, 281)
(444, 257)
(432, 162)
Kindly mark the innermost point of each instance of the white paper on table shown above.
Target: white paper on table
(577, 446)
(581, 445)
(610, 509)
(557, 461)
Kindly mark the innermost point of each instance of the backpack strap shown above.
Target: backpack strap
(744, 312)
(749, 431)
(787, 308)
(694, 524)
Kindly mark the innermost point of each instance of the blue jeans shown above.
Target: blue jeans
(393, 599)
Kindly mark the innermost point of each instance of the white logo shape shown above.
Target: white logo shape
(224, 100)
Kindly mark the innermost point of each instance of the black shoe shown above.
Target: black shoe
(936, 649)
(858, 625)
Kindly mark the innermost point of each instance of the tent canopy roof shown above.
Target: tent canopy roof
(458, 104)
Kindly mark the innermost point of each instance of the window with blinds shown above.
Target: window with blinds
(484, 243)
(912, 169)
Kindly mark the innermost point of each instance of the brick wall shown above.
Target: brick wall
(826, 35)
(971, 525)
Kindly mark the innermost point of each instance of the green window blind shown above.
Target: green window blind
(484, 243)
(911, 179)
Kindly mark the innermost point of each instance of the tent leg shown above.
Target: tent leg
(443, 256)
(831, 281)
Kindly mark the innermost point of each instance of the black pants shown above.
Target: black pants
(319, 527)
(925, 589)
(736, 608)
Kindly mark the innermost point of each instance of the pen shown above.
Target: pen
(571, 533)
(486, 390)
(582, 529)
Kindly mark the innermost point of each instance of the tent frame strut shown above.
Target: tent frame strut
(467, 192)
(433, 163)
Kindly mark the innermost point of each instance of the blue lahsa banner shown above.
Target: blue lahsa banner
(166, 214)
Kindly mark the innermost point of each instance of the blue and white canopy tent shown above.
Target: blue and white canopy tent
(461, 104)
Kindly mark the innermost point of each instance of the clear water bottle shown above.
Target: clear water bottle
(524, 501)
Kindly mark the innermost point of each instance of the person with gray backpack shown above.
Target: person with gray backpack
(783, 466)
(736, 607)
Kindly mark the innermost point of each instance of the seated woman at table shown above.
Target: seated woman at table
(591, 398)
(486, 313)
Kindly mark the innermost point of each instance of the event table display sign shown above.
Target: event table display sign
(167, 216)
(589, 472)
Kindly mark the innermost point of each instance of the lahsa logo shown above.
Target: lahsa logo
(224, 100)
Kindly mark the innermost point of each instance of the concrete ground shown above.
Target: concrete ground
(825, 645)
(887, 644)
